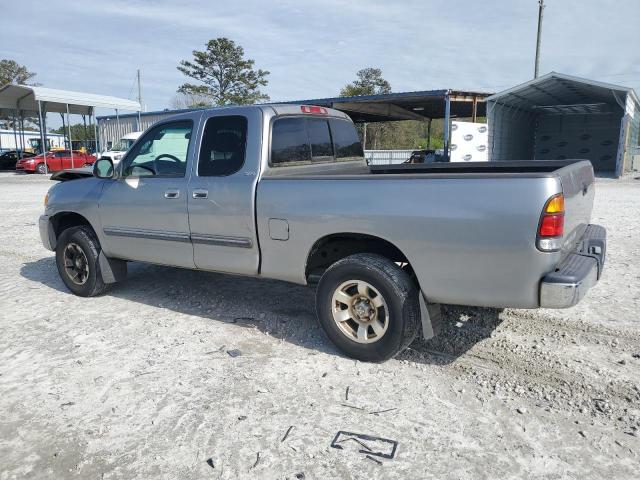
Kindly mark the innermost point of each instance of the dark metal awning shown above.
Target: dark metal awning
(420, 105)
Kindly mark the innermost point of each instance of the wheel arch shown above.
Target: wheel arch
(333, 247)
(336, 246)
(62, 221)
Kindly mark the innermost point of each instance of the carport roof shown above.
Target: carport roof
(561, 93)
(418, 105)
(26, 98)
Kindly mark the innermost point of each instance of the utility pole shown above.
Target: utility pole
(139, 76)
(139, 99)
(538, 40)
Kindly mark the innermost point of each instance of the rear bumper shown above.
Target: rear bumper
(577, 273)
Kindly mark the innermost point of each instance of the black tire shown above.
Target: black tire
(399, 293)
(84, 239)
(41, 169)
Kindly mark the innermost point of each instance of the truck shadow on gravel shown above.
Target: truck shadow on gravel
(282, 310)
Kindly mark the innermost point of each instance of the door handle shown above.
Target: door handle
(200, 194)
(172, 194)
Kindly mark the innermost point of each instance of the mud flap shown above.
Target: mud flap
(112, 270)
(431, 316)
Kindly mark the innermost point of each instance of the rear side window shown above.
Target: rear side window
(224, 144)
(289, 141)
(320, 139)
(346, 141)
(297, 140)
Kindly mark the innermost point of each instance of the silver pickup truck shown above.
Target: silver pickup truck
(284, 192)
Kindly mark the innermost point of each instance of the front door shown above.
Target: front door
(144, 211)
(54, 160)
(222, 192)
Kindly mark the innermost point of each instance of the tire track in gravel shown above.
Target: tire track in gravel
(541, 361)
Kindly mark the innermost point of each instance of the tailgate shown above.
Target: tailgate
(578, 187)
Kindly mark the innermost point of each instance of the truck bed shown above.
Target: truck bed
(468, 230)
(535, 168)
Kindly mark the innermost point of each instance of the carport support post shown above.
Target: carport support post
(69, 135)
(42, 127)
(15, 135)
(118, 125)
(23, 141)
(474, 112)
(92, 113)
(84, 132)
(429, 134)
(447, 124)
(364, 136)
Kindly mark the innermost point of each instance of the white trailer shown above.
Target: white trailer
(27, 140)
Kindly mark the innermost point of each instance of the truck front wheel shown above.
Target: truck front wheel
(77, 253)
(368, 307)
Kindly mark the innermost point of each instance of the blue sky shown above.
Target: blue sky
(314, 48)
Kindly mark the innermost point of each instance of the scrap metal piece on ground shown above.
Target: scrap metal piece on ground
(286, 434)
(376, 446)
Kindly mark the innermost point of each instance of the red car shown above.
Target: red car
(57, 160)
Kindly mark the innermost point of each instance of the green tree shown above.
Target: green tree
(12, 72)
(369, 82)
(227, 77)
(78, 133)
(183, 100)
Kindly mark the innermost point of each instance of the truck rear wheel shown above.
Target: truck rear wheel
(368, 307)
(77, 253)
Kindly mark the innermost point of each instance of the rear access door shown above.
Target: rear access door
(221, 199)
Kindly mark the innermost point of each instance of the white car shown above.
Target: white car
(121, 147)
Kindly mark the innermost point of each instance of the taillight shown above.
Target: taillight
(551, 226)
(313, 109)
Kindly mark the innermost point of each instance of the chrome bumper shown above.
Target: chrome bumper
(577, 273)
(47, 235)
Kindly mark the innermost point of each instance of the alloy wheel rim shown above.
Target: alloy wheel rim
(360, 311)
(76, 264)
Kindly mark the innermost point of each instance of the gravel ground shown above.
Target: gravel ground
(182, 374)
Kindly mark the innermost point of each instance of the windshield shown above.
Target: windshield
(123, 145)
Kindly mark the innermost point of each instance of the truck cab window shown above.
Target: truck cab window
(289, 141)
(300, 140)
(223, 148)
(346, 141)
(320, 140)
(161, 152)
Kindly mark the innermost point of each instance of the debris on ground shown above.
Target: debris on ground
(286, 434)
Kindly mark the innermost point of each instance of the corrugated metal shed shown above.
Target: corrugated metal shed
(559, 116)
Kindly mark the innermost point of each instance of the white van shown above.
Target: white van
(121, 147)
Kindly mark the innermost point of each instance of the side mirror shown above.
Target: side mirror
(103, 168)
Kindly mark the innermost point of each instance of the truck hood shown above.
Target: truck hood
(72, 174)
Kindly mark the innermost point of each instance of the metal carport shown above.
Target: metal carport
(20, 101)
(420, 105)
(558, 116)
